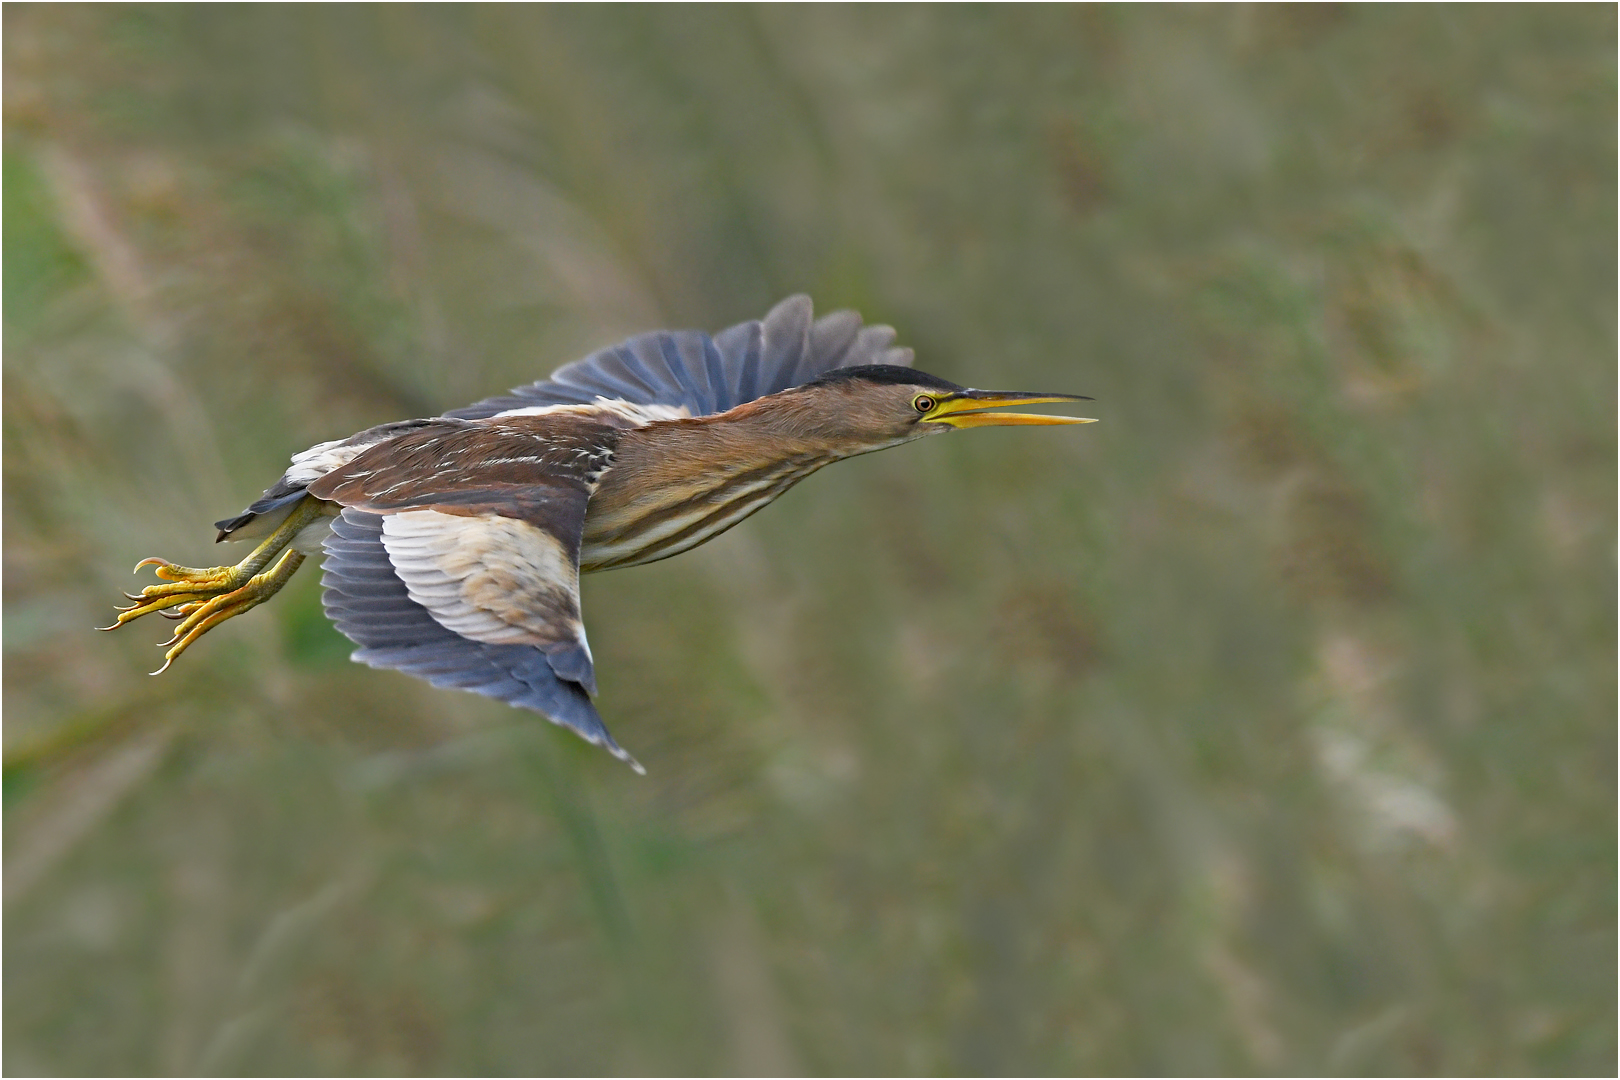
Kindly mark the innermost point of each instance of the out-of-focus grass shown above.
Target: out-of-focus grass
(1265, 727)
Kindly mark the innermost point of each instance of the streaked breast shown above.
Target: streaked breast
(627, 527)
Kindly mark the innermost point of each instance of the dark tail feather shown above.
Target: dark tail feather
(279, 497)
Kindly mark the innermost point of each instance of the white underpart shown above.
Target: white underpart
(309, 538)
(492, 579)
(635, 414)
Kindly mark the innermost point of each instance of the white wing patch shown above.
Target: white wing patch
(310, 465)
(492, 579)
(630, 413)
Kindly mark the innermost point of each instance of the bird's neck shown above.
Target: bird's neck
(675, 484)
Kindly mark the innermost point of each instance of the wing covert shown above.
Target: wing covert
(497, 580)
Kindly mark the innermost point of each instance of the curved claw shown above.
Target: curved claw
(168, 571)
(164, 668)
(184, 610)
(159, 604)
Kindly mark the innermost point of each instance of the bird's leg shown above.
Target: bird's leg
(202, 616)
(193, 589)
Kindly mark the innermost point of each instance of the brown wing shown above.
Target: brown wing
(481, 521)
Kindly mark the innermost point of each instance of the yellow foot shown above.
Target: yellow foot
(187, 587)
(201, 616)
(202, 599)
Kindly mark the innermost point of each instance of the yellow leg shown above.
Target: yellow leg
(192, 589)
(202, 616)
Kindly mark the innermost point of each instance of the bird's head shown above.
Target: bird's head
(879, 405)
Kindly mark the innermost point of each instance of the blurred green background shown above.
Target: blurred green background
(1267, 726)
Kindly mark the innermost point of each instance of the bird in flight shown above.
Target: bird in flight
(454, 544)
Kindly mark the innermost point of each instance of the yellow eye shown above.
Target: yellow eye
(923, 403)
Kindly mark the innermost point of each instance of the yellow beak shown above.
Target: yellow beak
(969, 410)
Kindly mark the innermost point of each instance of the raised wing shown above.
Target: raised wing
(456, 559)
(688, 369)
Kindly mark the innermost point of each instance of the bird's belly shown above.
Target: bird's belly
(309, 539)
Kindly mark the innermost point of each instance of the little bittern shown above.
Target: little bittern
(454, 544)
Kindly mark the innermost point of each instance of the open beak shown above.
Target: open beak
(971, 409)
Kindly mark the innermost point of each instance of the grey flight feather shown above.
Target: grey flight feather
(710, 375)
(368, 602)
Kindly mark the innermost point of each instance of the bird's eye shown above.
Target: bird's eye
(923, 403)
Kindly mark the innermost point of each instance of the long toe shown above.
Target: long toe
(201, 615)
(183, 588)
(199, 618)
(208, 576)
